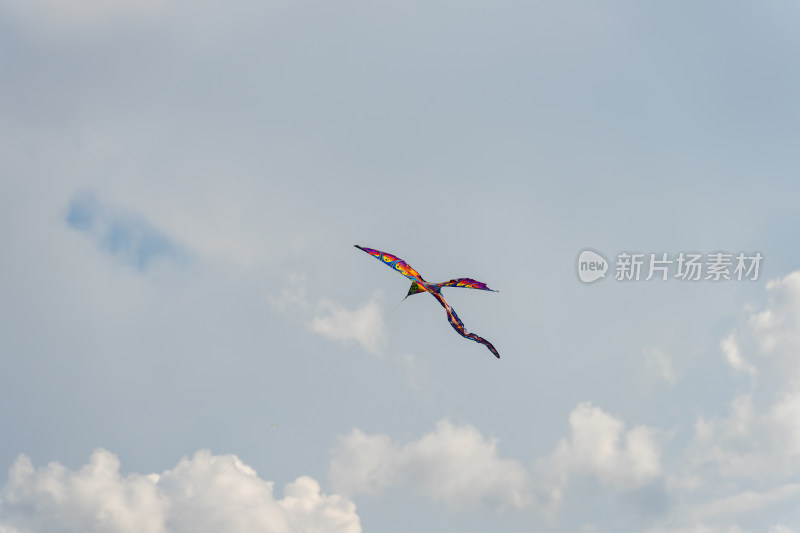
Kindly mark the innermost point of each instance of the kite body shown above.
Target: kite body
(420, 285)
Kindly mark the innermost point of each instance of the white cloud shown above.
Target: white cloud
(453, 464)
(364, 324)
(203, 494)
(599, 446)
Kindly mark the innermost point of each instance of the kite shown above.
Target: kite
(420, 285)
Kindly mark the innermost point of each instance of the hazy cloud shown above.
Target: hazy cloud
(730, 348)
(726, 528)
(364, 324)
(293, 296)
(748, 443)
(661, 363)
(744, 502)
(698, 528)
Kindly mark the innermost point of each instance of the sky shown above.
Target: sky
(189, 341)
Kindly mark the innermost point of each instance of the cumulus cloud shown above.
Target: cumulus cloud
(599, 446)
(205, 493)
(455, 465)
(768, 343)
(364, 324)
(759, 438)
(95, 498)
(748, 458)
(458, 466)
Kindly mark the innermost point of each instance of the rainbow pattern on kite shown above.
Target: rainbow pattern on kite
(420, 285)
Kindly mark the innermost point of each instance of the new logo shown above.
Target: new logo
(591, 266)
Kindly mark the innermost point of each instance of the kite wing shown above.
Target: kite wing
(467, 283)
(396, 263)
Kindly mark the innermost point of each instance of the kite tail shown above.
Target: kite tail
(458, 325)
(484, 342)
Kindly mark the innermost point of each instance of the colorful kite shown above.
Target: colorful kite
(420, 285)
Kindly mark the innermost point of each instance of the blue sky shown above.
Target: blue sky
(181, 185)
